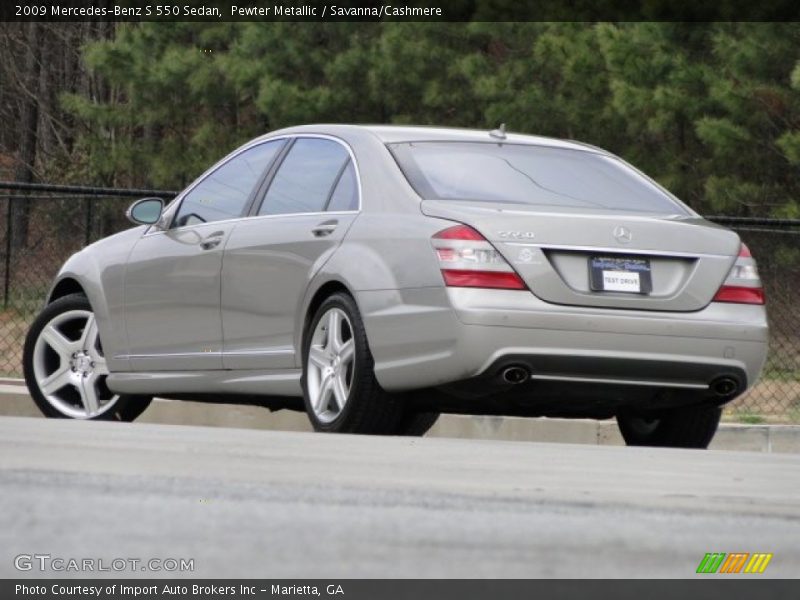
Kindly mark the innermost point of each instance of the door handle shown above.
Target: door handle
(212, 240)
(326, 228)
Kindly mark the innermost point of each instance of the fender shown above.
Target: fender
(100, 270)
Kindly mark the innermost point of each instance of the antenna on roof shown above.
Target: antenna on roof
(499, 133)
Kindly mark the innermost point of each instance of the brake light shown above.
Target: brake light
(467, 259)
(743, 285)
(459, 232)
(740, 295)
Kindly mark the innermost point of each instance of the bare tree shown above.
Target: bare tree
(28, 131)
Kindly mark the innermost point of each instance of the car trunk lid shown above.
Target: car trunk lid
(604, 258)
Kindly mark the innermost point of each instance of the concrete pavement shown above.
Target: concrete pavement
(248, 503)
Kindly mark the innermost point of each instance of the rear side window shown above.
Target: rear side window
(224, 193)
(306, 178)
(345, 194)
(533, 175)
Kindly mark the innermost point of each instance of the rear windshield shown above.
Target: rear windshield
(534, 175)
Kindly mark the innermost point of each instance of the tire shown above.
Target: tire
(689, 427)
(416, 424)
(65, 369)
(340, 392)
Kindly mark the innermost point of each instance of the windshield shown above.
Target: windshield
(535, 175)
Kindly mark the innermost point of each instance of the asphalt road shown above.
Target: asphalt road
(246, 503)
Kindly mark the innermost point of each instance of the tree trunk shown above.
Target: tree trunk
(28, 133)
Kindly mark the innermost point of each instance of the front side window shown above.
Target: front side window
(306, 178)
(541, 176)
(224, 193)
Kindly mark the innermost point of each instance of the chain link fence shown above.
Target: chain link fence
(59, 220)
(42, 226)
(775, 244)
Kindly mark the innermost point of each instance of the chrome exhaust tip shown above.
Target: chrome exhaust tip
(725, 387)
(515, 375)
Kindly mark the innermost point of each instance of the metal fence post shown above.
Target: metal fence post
(7, 271)
(87, 236)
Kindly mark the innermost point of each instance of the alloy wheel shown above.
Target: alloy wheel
(70, 368)
(331, 365)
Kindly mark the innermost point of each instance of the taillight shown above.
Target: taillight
(743, 285)
(467, 259)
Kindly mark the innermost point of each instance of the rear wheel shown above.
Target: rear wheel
(688, 427)
(340, 391)
(65, 367)
(416, 424)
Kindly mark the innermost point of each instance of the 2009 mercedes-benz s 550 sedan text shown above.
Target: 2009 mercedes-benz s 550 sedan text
(379, 276)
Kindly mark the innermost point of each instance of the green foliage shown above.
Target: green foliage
(711, 110)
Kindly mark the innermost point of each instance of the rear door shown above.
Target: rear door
(271, 257)
(172, 279)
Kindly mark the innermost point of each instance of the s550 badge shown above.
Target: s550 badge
(516, 235)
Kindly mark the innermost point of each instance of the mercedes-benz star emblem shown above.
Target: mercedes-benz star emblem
(622, 234)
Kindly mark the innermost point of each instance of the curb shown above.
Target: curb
(730, 436)
(15, 401)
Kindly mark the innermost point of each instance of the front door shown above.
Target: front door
(172, 289)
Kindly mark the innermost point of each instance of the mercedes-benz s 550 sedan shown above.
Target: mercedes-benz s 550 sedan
(379, 276)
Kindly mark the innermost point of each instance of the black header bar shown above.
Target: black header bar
(213, 11)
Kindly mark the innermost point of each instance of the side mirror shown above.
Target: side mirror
(146, 211)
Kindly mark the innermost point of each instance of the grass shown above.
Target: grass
(748, 417)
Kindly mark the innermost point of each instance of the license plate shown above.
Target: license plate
(620, 274)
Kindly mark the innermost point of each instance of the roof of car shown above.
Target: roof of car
(392, 134)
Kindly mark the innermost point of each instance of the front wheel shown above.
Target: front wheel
(687, 427)
(340, 391)
(65, 367)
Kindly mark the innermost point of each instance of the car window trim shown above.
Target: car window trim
(294, 137)
(254, 217)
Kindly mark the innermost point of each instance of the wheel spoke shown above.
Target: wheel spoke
(318, 357)
(334, 331)
(56, 340)
(91, 403)
(340, 390)
(324, 395)
(347, 351)
(56, 380)
(89, 337)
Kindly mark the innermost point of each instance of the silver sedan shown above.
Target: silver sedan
(379, 276)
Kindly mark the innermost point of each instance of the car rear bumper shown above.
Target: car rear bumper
(435, 337)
